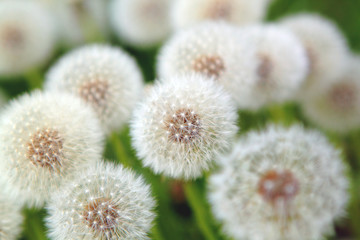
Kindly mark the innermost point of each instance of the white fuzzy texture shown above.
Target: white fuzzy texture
(105, 77)
(212, 39)
(281, 61)
(79, 20)
(27, 36)
(76, 139)
(335, 105)
(141, 23)
(325, 45)
(10, 217)
(321, 198)
(131, 199)
(187, 13)
(210, 112)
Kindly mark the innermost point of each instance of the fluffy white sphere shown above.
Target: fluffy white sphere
(10, 217)
(46, 138)
(326, 47)
(335, 105)
(281, 61)
(79, 20)
(215, 50)
(141, 22)
(103, 202)
(186, 13)
(279, 184)
(182, 125)
(27, 36)
(105, 77)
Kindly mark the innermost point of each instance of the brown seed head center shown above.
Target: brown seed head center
(275, 186)
(220, 9)
(12, 38)
(102, 215)
(264, 69)
(212, 66)
(183, 126)
(95, 93)
(343, 97)
(45, 149)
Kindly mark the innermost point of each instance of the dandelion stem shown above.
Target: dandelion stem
(34, 79)
(34, 226)
(198, 205)
(119, 150)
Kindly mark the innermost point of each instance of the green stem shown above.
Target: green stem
(201, 212)
(34, 225)
(119, 150)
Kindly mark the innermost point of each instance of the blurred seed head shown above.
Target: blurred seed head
(46, 138)
(279, 184)
(325, 46)
(142, 23)
(103, 202)
(27, 36)
(105, 77)
(10, 216)
(182, 125)
(335, 105)
(281, 61)
(187, 13)
(215, 50)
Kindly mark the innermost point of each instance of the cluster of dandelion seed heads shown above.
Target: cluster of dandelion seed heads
(105, 77)
(215, 50)
(187, 13)
(290, 183)
(182, 125)
(281, 61)
(105, 202)
(46, 138)
(20, 46)
(10, 217)
(326, 47)
(335, 105)
(141, 22)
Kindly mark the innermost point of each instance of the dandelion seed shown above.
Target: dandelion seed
(290, 183)
(46, 138)
(105, 77)
(182, 125)
(20, 45)
(115, 205)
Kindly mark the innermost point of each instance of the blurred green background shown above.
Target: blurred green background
(182, 219)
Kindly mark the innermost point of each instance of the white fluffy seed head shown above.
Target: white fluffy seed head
(215, 50)
(104, 77)
(79, 20)
(182, 125)
(325, 45)
(281, 64)
(142, 23)
(280, 184)
(103, 202)
(10, 217)
(27, 36)
(335, 105)
(46, 138)
(187, 13)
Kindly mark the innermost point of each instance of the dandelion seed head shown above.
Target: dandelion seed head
(46, 138)
(290, 183)
(105, 202)
(182, 124)
(105, 77)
